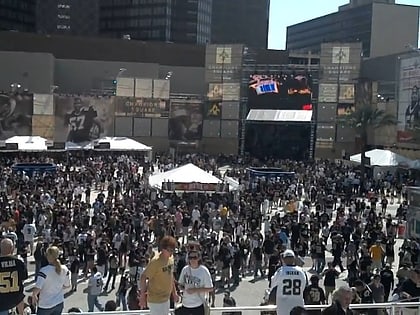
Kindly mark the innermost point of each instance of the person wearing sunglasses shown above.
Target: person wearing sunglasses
(157, 283)
(196, 282)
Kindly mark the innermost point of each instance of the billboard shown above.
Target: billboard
(15, 115)
(340, 62)
(83, 118)
(409, 100)
(224, 63)
(185, 118)
(328, 93)
(141, 107)
(280, 92)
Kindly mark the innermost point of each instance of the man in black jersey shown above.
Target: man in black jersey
(314, 295)
(12, 274)
(84, 124)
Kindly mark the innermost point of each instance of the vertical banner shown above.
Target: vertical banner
(43, 126)
(15, 115)
(186, 119)
(144, 88)
(409, 101)
(125, 87)
(80, 119)
(161, 89)
(43, 104)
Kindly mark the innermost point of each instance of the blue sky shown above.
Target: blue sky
(288, 12)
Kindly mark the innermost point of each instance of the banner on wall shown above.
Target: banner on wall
(43, 126)
(43, 104)
(81, 119)
(409, 101)
(213, 109)
(186, 119)
(15, 115)
(141, 107)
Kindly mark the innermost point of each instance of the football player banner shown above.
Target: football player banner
(15, 115)
(80, 119)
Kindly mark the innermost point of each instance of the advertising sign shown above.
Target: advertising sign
(223, 63)
(141, 107)
(328, 93)
(409, 101)
(81, 119)
(15, 115)
(340, 62)
(186, 119)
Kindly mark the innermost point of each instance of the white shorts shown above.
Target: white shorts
(159, 308)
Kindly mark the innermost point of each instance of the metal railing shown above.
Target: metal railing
(392, 308)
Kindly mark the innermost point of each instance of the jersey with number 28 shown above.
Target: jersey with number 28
(290, 282)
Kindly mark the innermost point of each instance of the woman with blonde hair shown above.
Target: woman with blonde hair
(50, 284)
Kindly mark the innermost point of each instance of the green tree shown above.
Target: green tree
(365, 119)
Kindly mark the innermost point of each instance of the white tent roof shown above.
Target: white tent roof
(188, 173)
(381, 158)
(123, 144)
(79, 146)
(29, 143)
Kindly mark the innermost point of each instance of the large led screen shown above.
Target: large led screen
(283, 91)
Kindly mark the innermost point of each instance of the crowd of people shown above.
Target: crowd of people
(96, 218)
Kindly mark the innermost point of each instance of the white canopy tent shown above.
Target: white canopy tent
(380, 157)
(188, 173)
(71, 146)
(122, 144)
(27, 143)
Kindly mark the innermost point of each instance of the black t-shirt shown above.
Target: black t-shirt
(12, 274)
(411, 288)
(330, 276)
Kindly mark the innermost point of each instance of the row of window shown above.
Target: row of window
(123, 12)
(133, 23)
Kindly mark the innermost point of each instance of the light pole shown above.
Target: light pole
(14, 87)
(115, 81)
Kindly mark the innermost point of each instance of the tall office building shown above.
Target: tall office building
(71, 17)
(382, 27)
(183, 21)
(17, 15)
(240, 22)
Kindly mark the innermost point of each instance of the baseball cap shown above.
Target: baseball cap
(288, 253)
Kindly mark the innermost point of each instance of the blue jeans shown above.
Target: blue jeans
(92, 302)
(122, 300)
(4, 312)
(56, 310)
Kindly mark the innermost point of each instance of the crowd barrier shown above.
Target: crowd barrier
(393, 308)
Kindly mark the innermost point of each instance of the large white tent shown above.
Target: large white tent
(28, 143)
(188, 173)
(123, 144)
(380, 157)
(71, 146)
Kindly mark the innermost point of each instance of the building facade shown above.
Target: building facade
(368, 22)
(68, 17)
(17, 15)
(168, 21)
(240, 22)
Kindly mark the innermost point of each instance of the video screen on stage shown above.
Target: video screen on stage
(282, 91)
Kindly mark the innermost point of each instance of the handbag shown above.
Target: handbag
(206, 305)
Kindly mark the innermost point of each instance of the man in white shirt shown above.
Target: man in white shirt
(94, 290)
(290, 281)
(29, 232)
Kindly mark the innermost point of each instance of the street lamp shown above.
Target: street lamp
(14, 87)
(169, 75)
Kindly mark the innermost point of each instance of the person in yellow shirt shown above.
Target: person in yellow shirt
(376, 252)
(157, 280)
